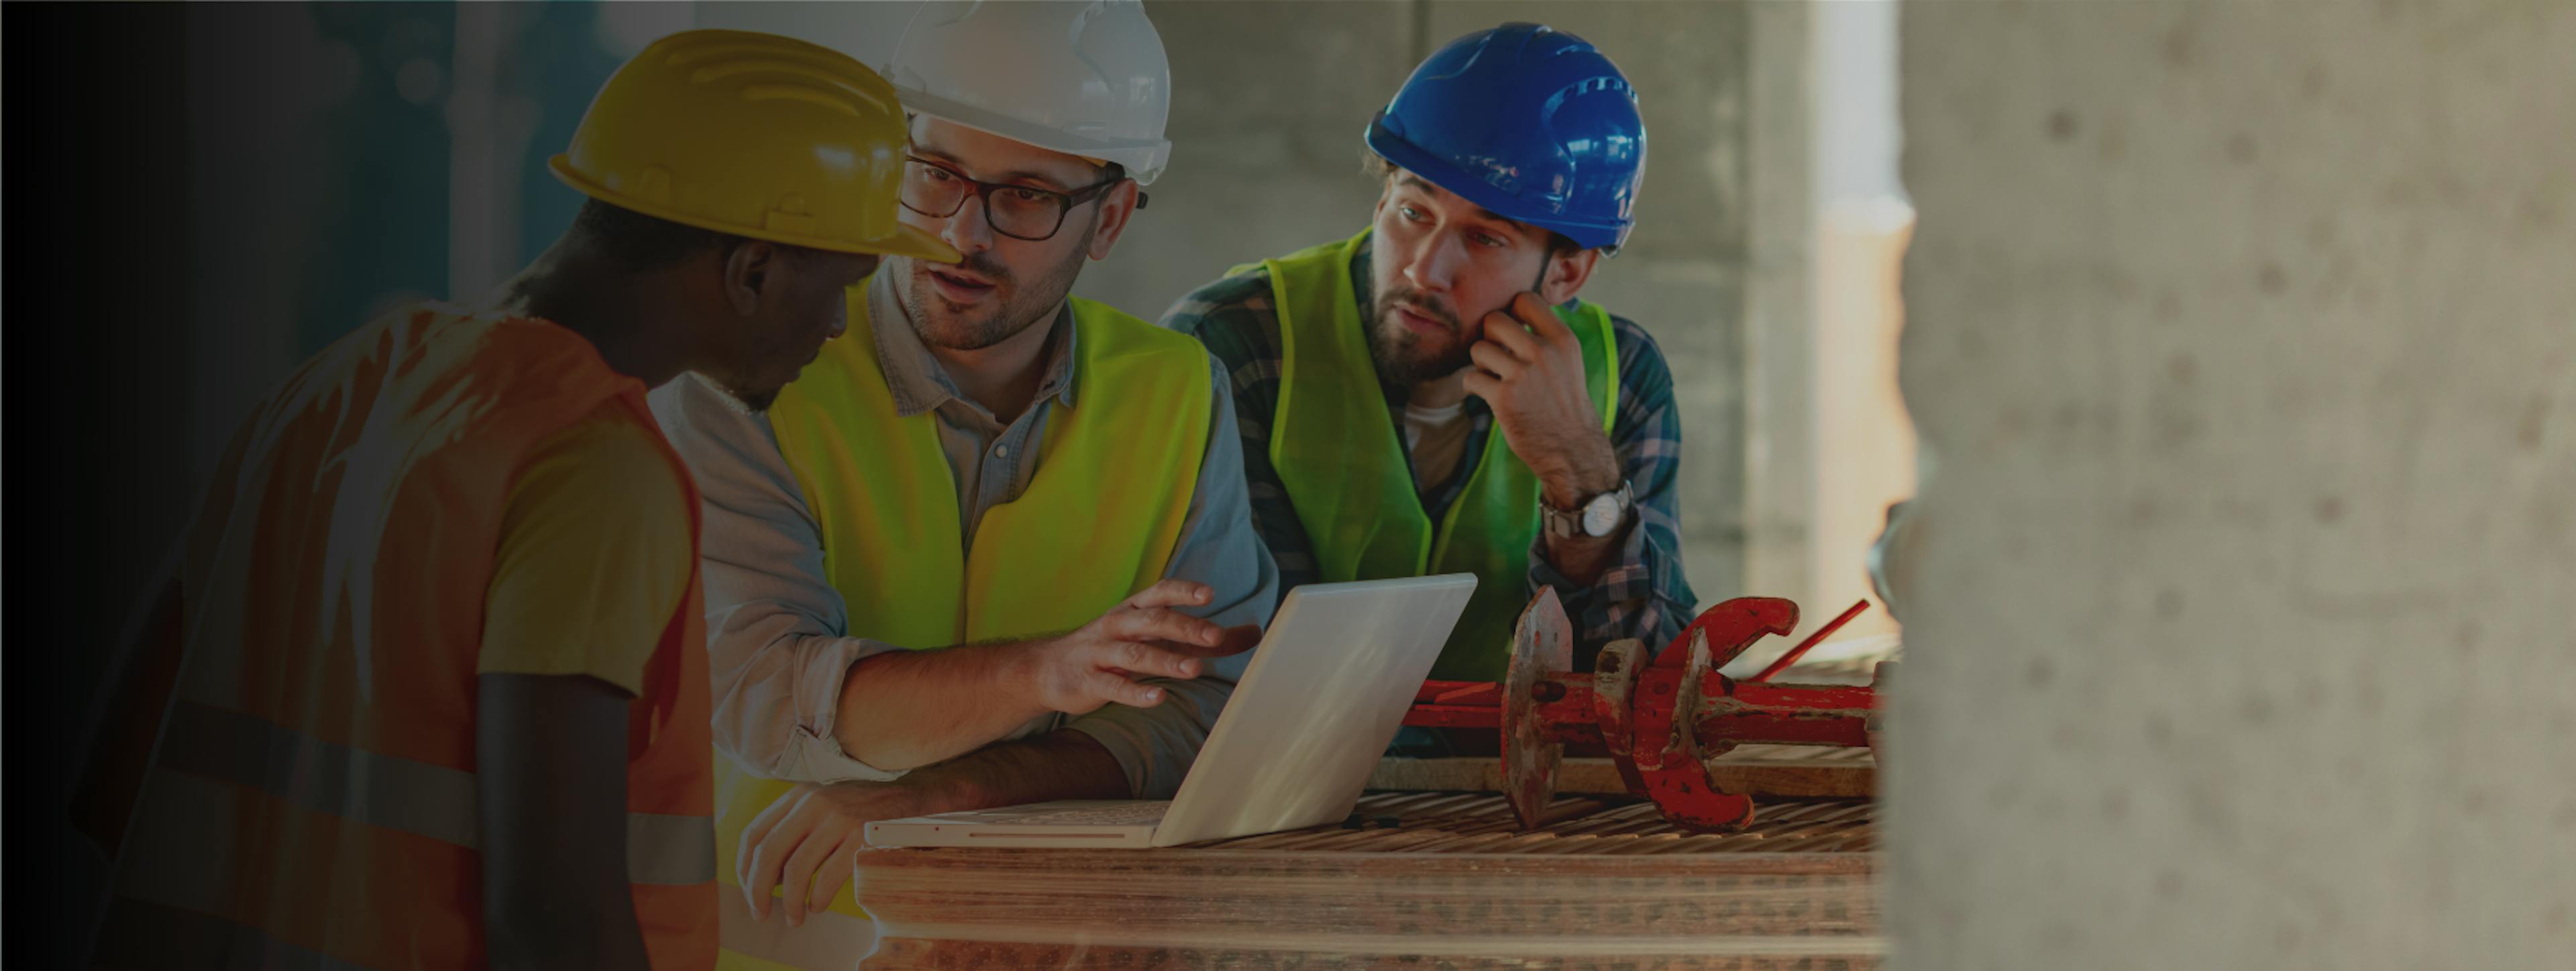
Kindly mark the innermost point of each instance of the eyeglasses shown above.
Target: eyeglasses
(1016, 211)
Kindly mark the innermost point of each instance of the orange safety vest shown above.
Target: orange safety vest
(312, 802)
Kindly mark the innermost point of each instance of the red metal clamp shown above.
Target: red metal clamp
(1659, 722)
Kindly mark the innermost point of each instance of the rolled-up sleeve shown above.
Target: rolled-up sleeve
(776, 651)
(1642, 593)
(1218, 548)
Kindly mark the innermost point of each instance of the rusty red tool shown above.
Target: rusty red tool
(1792, 655)
(1660, 720)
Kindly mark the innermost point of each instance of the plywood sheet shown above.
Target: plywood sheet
(1441, 879)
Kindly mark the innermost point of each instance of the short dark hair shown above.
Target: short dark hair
(1376, 166)
(639, 242)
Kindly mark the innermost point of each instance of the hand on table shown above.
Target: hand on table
(815, 830)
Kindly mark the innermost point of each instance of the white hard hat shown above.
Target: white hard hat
(1082, 78)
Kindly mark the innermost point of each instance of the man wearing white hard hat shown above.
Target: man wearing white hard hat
(896, 546)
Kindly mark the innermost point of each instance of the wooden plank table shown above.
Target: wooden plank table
(1415, 879)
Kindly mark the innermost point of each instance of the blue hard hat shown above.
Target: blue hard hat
(1527, 121)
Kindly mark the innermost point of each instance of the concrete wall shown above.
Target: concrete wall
(2243, 605)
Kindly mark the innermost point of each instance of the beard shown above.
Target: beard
(1404, 357)
(941, 325)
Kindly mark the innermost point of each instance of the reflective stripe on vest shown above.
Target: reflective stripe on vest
(313, 802)
(1333, 443)
(1099, 521)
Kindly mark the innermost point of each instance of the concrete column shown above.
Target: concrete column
(1779, 343)
(2239, 625)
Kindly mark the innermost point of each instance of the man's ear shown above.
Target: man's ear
(1567, 270)
(1115, 206)
(749, 269)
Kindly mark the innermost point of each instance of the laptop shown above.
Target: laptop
(1322, 696)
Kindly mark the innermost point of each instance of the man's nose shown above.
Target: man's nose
(1429, 265)
(967, 228)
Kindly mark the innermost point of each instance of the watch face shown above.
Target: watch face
(1601, 515)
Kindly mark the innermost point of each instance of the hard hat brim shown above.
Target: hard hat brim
(904, 241)
(1440, 172)
(1143, 158)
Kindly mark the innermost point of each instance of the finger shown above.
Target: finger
(1230, 641)
(1149, 659)
(1542, 320)
(761, 824)
(837, 869)
(1495, 360)
(1507, 329)
(1170, 593)
(770, 857)
(1160, 624)
(797, 876)
(1484, 384)
(1112, 688)
(748, 850)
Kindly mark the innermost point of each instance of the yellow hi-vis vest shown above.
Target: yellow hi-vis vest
(1334, 444)
(1098, 522)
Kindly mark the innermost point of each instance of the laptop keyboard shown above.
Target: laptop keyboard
(1115, 815)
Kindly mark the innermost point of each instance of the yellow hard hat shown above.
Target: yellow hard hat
(751, 134)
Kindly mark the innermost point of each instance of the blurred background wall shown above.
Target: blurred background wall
(2239, 620)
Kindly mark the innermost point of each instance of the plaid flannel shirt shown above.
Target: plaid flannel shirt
(1642, 594)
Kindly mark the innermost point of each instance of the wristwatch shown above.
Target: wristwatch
(1597, 517)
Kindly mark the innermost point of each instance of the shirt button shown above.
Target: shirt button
(1001, 451)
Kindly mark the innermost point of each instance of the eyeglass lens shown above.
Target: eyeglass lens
(1013, 211)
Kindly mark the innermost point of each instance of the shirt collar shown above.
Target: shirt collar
(918, 382)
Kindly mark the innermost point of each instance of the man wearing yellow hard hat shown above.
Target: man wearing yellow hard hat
(982, 461)
(441, 698)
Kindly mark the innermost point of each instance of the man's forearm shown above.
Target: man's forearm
(550, 809)
(1062, 764)
(907, 709)
(1585, 467)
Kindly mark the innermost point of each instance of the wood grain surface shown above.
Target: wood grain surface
(1411, 880)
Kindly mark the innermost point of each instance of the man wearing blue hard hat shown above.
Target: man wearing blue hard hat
(1430, 396)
